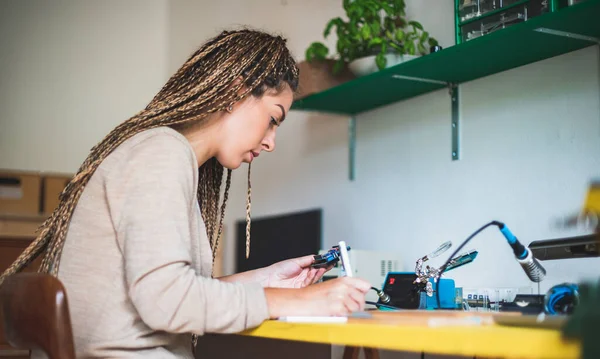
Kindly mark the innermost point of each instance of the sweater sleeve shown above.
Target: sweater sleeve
(152, 198)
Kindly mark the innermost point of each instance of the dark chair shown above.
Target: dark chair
(36, 315)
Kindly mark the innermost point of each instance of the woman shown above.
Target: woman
(137, 228)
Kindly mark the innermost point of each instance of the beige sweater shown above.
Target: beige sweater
(137, 261)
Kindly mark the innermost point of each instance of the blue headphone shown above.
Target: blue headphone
(561, 299)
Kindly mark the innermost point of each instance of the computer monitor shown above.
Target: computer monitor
(278, 237)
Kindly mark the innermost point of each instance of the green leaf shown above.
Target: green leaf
(388, 23)
(421, 49)
(351, 9)
(360, 12)
(400, 35)
(410, 48)
(341, 43)
(321, 51)
(381, 61)
(338, 66)
(342, 32)
(337, 22)
(433, 42)
(375, 28)
(397, 47)
(388, 9)
(389, 35)
(416, 24)
(365, 31)
(375, 41)
(309, 54)
(424, 36)
(373, 6)
(369, 14)
(316, 51)
(346, 4)
(400, 7)
(353, 30)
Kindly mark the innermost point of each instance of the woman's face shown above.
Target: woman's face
(250, 128)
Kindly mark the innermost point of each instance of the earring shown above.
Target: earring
(230, 108)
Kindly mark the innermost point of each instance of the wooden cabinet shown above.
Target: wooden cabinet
(16, 233)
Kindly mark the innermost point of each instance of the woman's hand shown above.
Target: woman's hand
(335, 297)
(292, 273)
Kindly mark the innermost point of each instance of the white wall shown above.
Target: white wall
(70, 71)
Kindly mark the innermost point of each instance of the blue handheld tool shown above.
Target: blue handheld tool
(327, 259)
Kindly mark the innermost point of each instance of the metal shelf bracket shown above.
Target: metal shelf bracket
(454, 99)
(352, 148)
(545, 30)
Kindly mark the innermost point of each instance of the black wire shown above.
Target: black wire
(443, 268)
(383, 305)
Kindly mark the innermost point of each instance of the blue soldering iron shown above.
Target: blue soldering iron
(329, 258)
(531, 266)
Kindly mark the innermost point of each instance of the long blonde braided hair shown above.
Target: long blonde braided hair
(205, 83)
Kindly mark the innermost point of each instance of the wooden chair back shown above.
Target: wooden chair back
(36, 314)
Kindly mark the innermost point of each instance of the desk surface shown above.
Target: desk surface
(439, 332)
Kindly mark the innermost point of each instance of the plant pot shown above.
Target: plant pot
(366, 65)
(317, 76)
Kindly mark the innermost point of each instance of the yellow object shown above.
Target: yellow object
(592, 202)
(449, 333)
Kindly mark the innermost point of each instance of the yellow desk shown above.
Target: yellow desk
(441, 332)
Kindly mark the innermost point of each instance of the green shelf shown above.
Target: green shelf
(539, 38)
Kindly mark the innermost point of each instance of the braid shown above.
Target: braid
(205, 84)
(248, 220)
(215, 243)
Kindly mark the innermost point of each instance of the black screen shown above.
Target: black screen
(276, 238)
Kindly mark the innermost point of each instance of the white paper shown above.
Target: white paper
(310, 319)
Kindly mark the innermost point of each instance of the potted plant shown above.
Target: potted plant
(376, 35)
